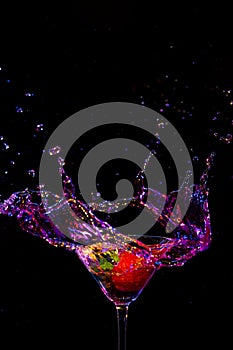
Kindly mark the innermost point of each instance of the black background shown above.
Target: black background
(72, 56)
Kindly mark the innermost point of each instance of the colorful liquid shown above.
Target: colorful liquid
(121, 264)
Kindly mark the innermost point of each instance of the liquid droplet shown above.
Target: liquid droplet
(31, 172)
(55, 150)
(40, 127)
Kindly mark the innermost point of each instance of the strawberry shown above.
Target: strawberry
(131, 273)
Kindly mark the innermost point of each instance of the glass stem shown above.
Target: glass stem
(122, 315)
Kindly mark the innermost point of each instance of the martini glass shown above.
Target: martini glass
(123, 270)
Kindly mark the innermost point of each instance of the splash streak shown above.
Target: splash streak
(193, 233)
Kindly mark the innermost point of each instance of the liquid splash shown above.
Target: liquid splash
(191, 235)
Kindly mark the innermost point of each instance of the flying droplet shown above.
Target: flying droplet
(226, 139)
(39, 127)
(19, 109)
(31, 172)
(55, 150)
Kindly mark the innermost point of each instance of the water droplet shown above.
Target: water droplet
(195, 159)
(161, 125)
(31, 172)
(226, 139)
(61, 161)
(55, 150)
(19, 109)
(40, 127)
(4, 146)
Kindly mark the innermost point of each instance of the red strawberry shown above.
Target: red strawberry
(131, 273)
